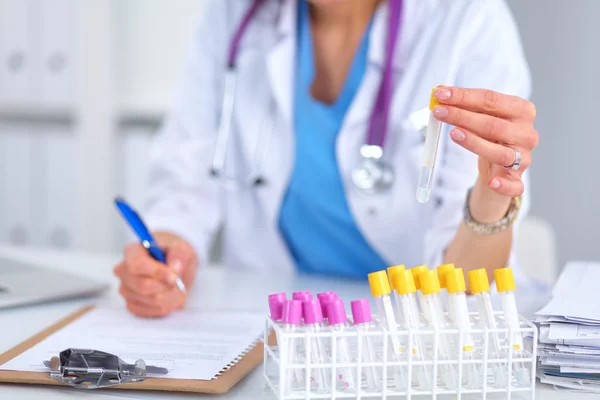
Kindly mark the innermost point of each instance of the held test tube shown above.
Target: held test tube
(455, 281)
(404, 284)
(432, 141)
(363, 321)
(432, 309)
(380, 289)
(505, 283)
(480, 287)
(313, 319)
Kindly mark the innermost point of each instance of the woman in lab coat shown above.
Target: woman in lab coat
(313, 70)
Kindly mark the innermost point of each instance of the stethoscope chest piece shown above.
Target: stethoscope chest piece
(373, 174)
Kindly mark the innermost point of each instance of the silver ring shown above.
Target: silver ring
(517, 164)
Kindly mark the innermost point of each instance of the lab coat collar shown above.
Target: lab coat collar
(282, 58)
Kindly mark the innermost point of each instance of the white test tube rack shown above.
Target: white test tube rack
(276, 365)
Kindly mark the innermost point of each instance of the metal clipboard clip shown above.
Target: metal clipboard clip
(94, 369)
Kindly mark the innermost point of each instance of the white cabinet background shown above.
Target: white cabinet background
(70, 143)
(133, 145)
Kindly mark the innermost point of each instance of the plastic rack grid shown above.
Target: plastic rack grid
(276, 363)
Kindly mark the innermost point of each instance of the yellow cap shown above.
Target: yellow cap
(478, 281)
(455, 281)
(379, 283)
(392, 271)
(430, 283)
(416, 271)
(505, 281)
(404, 282)
(441, 271)
(433, 101)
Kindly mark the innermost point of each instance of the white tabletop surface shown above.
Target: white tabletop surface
(215, 286)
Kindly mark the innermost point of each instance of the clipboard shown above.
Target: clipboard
(227, 379)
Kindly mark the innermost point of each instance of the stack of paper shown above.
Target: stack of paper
(569, 330)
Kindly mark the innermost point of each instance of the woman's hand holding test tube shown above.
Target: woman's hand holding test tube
(491, 125)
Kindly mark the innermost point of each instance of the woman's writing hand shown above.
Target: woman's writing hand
(148, 286)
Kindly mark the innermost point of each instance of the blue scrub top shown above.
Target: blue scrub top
(315, 219)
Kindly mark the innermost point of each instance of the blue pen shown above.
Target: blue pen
(142, 232)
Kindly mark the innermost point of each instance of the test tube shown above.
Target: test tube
(291, 323)
(416, 271)
(302, 296)
(432, 309)
(432, 141)
(480, 287)
(313, 319)
(455, 281)
(392, 271)
(276, 301)
(338, 321)
(404, 284)
(505, 283)
(363, 321)
(441, 271)
(325, 298)
(380, 289)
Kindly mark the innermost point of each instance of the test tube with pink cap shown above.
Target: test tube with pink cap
(292, 323)
(346, 381)
(302, 296)
(363, 321)
(276, 301)
(325, 298)
(313, 322)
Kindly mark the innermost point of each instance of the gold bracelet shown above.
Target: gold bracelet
(495, 227)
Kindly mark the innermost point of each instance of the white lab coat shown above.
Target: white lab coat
(467, 43)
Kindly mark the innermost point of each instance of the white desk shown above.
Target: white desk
(216, 286)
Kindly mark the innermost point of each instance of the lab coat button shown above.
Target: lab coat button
(372, 211)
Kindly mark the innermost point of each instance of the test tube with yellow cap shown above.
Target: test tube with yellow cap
(457, 300)
(416, 271)
(380, 289)
(404, 285)
(432, 309)
(392, 271)
(480, 287)
(432, 142)
(441, 271)
(505, 283)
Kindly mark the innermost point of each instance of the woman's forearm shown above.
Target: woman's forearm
(469, 250)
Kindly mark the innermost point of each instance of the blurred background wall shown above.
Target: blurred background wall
(84, 85)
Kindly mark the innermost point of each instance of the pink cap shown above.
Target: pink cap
(276, 305)
(336, 312)
(312, 311)
(302, 296)
(361, 311)
(325, 298)
(292, 312)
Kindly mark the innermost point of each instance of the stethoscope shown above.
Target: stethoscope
(372, 174)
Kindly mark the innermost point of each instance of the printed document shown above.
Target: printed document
(191, 344)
